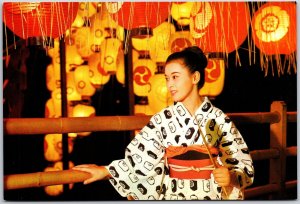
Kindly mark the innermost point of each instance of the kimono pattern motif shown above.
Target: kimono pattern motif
(144, 174)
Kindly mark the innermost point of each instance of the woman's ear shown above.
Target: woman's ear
(196, 77)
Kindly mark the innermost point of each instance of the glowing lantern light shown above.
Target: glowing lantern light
(159, 96)
(214, 78)
(82, 81)
(53, 147)
(159, 42)
(274, 28)
(181, 40)
(140, 44)
(120, 73)
(110, 49)
(52, 77)
(56, 190)
(143, 69)
(86, 9)
(181, 12)
(102, 24)
(83, 111)
(72, 56)
(219, 26)
(72, 93)
(143, 110)
(83, 41)
(32, 19)
(139, 17)
(98, 77)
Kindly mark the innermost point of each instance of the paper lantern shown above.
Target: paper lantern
(53, 147)
(159, 96)
(143, 70)
(82, 81)
(159, 42)
(55, 190)
(110, 49)
(219, 26)
(81, 110)
(214, 78)
(72, 93)
(139, 17)
(181, 12)
(72, 56)
(33, 19)
(98, 76)
(143, 110)
(274, 28)
(103, 23)
(120, 72)
(180, 40)
(86, 9)
(52, 77)
(83, 41)
(140, 44)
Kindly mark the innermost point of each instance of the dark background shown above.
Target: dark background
(246, 89)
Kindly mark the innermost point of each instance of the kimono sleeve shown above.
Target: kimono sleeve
(235, 155)
(141, 172)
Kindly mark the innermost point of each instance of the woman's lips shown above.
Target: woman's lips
(173, 92)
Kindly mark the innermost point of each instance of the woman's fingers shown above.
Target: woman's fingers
(222, 176)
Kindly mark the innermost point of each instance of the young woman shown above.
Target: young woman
(190, 150)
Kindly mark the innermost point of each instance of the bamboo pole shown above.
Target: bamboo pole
(264, 154)
(292, 116)
(291, 151)
(24, 126)
(39, 179)
(261, 190)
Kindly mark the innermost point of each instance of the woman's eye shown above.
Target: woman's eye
(174, 77)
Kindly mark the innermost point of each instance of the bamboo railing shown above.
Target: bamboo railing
(277, 118)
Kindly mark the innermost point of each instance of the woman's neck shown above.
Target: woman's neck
(193, 103)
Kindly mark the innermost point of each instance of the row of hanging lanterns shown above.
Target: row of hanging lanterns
(215, 26)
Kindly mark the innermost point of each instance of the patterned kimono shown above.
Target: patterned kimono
(144, 172)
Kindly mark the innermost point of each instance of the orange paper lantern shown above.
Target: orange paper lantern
(32, 19)
(159, 97)
(181, 12)
(181, 40)
(53, 147)
(143, 70)
(219, 26)
(98, 76)
(135, 15)
(274, 28)
(214, 78)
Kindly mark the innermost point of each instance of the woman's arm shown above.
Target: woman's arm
(97, 172)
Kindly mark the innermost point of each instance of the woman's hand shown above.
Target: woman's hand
(97, 172)
(222, 176)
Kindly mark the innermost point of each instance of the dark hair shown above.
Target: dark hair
(194, 59)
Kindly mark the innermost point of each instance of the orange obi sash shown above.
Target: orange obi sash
(191, 162)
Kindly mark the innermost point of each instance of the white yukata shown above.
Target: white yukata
(144, 173)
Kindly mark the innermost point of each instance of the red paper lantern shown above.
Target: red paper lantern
(219, 26)
(136, 15)
(274, 28)
(32, 19)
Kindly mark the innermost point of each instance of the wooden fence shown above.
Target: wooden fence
(278, 118)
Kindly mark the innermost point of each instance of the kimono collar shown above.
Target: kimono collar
(205, 107)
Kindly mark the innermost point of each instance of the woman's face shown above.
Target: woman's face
(179, 81)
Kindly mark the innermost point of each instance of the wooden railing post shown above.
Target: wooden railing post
(278, 141)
